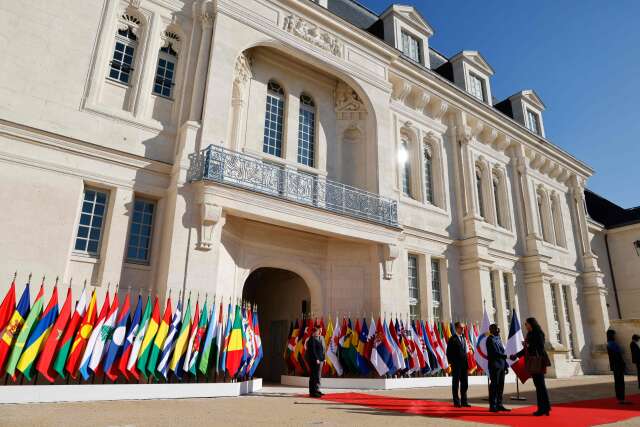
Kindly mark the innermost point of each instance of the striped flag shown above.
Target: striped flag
(149, 335)
(219, 338)
(158, 342)
(209, 341)
(117, 341)
(225, 341)
(235, 344)
(93, 339)
(170, 341)
(192, 336)
(53, 341)
(8, 306)
(181, 343)
(105, 335)
(128, 344)
(33, 316)
(11, 330)
(137, 343)
(82, 337)
(197, 342)
(70, 331)
(258, 345)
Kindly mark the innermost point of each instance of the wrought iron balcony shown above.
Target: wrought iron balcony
(224, 166)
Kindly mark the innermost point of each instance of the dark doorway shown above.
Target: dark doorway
(281, 296)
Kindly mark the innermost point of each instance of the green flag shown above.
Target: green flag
(158, 342)
(208, 342)
(33, 316)
(198, 342)
(181, 343)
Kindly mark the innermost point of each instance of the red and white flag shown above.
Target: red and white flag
(514, 346)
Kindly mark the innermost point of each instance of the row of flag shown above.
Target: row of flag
(118, 341)
(393, 347)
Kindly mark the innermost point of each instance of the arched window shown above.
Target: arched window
(274, 120)
(405, 164)
(307, 131)
(545, 226)
(428, 173)
(124, 51)
(556, 213)
(166, 69)
(479, 184)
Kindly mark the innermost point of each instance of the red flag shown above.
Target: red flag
(80, 341)
(44, 363)
(8, 306)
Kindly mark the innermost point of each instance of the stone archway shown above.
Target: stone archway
(282, 296)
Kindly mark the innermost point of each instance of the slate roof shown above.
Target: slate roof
(608, 213)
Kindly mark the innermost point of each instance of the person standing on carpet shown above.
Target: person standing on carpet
(498, 368)
(537, 361)
(457, 357)
(315, 357)
(617, 365)
(635, 354)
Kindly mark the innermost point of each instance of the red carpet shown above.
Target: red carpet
(575, 414)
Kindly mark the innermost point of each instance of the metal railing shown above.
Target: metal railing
(224, 166)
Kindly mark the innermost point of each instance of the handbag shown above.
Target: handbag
(537, 363)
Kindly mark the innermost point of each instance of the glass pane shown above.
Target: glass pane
(80, 245)
(92, 246)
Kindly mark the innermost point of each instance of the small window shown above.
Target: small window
(533, 122)
(94, 209)
(140, 231)
(414, 288)
(307, 131)
(497, 191)
(436, 291)
(428, 175)
(123, 59)
(165, 72)
(411, 47)
(405, 160)
(479, 185)
(477, 87)
(274, 120)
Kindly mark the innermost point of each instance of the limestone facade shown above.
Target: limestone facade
(414, 189)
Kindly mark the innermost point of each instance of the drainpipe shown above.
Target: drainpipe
(613, 276)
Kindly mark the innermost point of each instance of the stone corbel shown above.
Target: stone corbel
(390, 254)
(210, 216)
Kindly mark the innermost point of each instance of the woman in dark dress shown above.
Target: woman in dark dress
(534, 346)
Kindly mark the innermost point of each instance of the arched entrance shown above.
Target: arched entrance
(282, 296)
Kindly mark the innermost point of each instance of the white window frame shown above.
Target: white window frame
(413, 277)
(168, 57)
(473, 88)
(280, 96)
(533, 125)
(437, 310)
(90, 227)
(411, 46)
(146, 261)
(307, 105)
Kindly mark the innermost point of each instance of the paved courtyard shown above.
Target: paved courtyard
(284, 406)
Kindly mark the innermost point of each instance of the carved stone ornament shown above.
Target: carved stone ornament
(312, 34)
(210, 215)
(390, 254)
(242, 72)
(170, 38)
(128, 21)
(349, 106)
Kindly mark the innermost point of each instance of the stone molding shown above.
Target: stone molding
(313, 34)
(391, 252)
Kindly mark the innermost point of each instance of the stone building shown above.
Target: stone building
(311, 156)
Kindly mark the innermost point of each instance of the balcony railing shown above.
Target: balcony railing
(223, 166)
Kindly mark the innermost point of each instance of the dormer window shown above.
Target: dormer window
(411, 47)
(533, 122)
(477, 87)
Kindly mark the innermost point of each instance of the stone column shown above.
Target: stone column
(202, 65)
(149, 60)
(241, 80)
(115, 234)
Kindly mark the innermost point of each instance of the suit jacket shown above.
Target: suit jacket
(457, 352)
(616, 361)
(496, 354)
(315, 350)
(635, 353)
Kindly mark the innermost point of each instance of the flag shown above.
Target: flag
(434, 366)
(149, 335)
(12, 328)
(258, 344)
(117, 341)
(64, 346)
(186, 366)
(363, 362)
(32, 317)
(332, 350)
(105, 336)
(181, 343)
(219, 339)
(128, 344)
(471, 360)
(225, 341)
(82, 337)
(290, 351)
(481, 345)
(247, 350)
(170, 341)
(8, 306)
(235, 345)
(398, 360)
(53, 341)
(93, 338)
(209, 341)
(381, 352)
(137, 343)
(514, 346)
(327, 368)
(158, 342)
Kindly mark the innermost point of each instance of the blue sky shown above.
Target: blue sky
(582, 57)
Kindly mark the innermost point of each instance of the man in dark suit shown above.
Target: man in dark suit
(315, 357)
(617, 365)
(635, 354)
(457, 357)
(498, 368)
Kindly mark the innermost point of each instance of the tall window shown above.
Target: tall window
(406, 168)
(496, 200)
(566, 296)
(533, 122)
(165, 72)
(476, 87)
(428, 174)
(480, 192)
(94, 208)
(140, 231)
(414, 288)
(436, 290)
(307, 131)
(411, 47)
(558, 227)
(121, 64)
(508, 308)
(494, 301)
(556, 313)
(274, 120)
(541, 222)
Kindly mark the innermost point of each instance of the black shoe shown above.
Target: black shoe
(457, 405)
(493, 409)
(625, 402)
(540, 413)
(320, 393)
(503, 409)
(465, 405)
(316, 395)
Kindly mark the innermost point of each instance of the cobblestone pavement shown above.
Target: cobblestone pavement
(286, 406)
